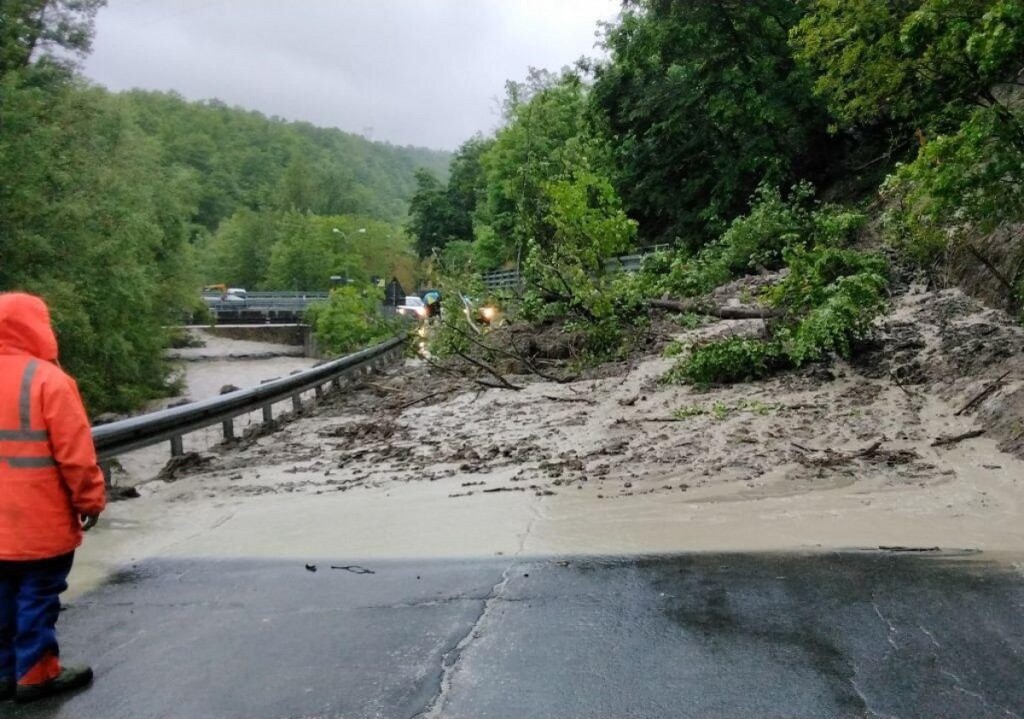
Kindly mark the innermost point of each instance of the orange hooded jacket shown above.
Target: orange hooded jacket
(48, 470)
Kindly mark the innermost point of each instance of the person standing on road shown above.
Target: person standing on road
(432, 300)
(51, 490)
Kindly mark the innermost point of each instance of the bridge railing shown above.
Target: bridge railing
(510, 279)
(174, 423)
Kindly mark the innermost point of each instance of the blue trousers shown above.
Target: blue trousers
(29, 607)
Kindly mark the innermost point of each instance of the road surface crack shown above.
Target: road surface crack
(451, 657)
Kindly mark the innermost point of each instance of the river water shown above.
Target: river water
(206, 370)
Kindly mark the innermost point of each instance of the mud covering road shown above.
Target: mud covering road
(412, 474)
(839, 635)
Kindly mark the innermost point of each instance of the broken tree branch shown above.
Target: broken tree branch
(456, 373)
(983, 395)
(511, 355)
(954, 439)
(976, 254)
(424, 398)
(583, 400)
(504, 383)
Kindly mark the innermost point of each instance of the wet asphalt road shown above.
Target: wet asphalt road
(866, 634)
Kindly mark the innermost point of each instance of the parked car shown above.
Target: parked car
(412, 307)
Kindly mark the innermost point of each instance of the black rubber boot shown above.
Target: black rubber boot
(6, 689)
(69, 679)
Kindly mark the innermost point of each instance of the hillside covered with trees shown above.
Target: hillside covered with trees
(117, 207)
(836, 146)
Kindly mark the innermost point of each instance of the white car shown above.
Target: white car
(412, 307)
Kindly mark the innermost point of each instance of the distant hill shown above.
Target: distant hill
(244, 159)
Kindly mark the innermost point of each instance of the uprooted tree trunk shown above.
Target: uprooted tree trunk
(703, 307)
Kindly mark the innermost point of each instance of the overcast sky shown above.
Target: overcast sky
(418, 72)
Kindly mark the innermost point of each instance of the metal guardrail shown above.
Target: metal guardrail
(271, 295)
(172, 424)
(502, 280)
(510, 279)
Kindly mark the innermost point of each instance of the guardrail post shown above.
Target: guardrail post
(319, 391)
(229, 428)
(268, 413)
(107, 474)
(177, 446)
(297, 402)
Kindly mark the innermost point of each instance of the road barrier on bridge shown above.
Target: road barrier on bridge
(174, 423)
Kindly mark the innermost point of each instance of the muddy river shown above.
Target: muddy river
(207, 370)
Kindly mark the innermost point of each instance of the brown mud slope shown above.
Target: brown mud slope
(916, 442)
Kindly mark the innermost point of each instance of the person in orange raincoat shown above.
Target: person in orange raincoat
(51, 489)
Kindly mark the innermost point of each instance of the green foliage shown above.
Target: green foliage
(830, 296)
(835, 294)
(567, 277)
(440, 214)
(948, 70)
(350, 320)
(968, 182)
(703, 102)
(721, 410)
(690, 410)
(673, 349)
(831, 299)
(726, 361)
(564, 269)
(757, 240)
(302, 252)
(689, 320)
(93, 220)
(243, 159)
(918, 62)
(546, 140)
(429, 214)
(51, 34)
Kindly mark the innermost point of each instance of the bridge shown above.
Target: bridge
(262, 307)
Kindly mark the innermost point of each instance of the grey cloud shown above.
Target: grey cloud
(423, 72)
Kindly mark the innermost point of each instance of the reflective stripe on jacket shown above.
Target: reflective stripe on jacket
(24, 447)
(48, 470)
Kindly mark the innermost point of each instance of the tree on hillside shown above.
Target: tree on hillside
(702, 101)
(440, 214)
(947, 75)
(923, 63)
(546, 129)
(93, 221)
(429, 214)
(54, 32)
(467, 184)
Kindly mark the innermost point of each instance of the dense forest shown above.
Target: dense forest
(837, 145)
(117, 207)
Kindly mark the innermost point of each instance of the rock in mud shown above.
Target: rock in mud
(178, 467)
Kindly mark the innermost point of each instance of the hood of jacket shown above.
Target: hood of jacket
(25, 327)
